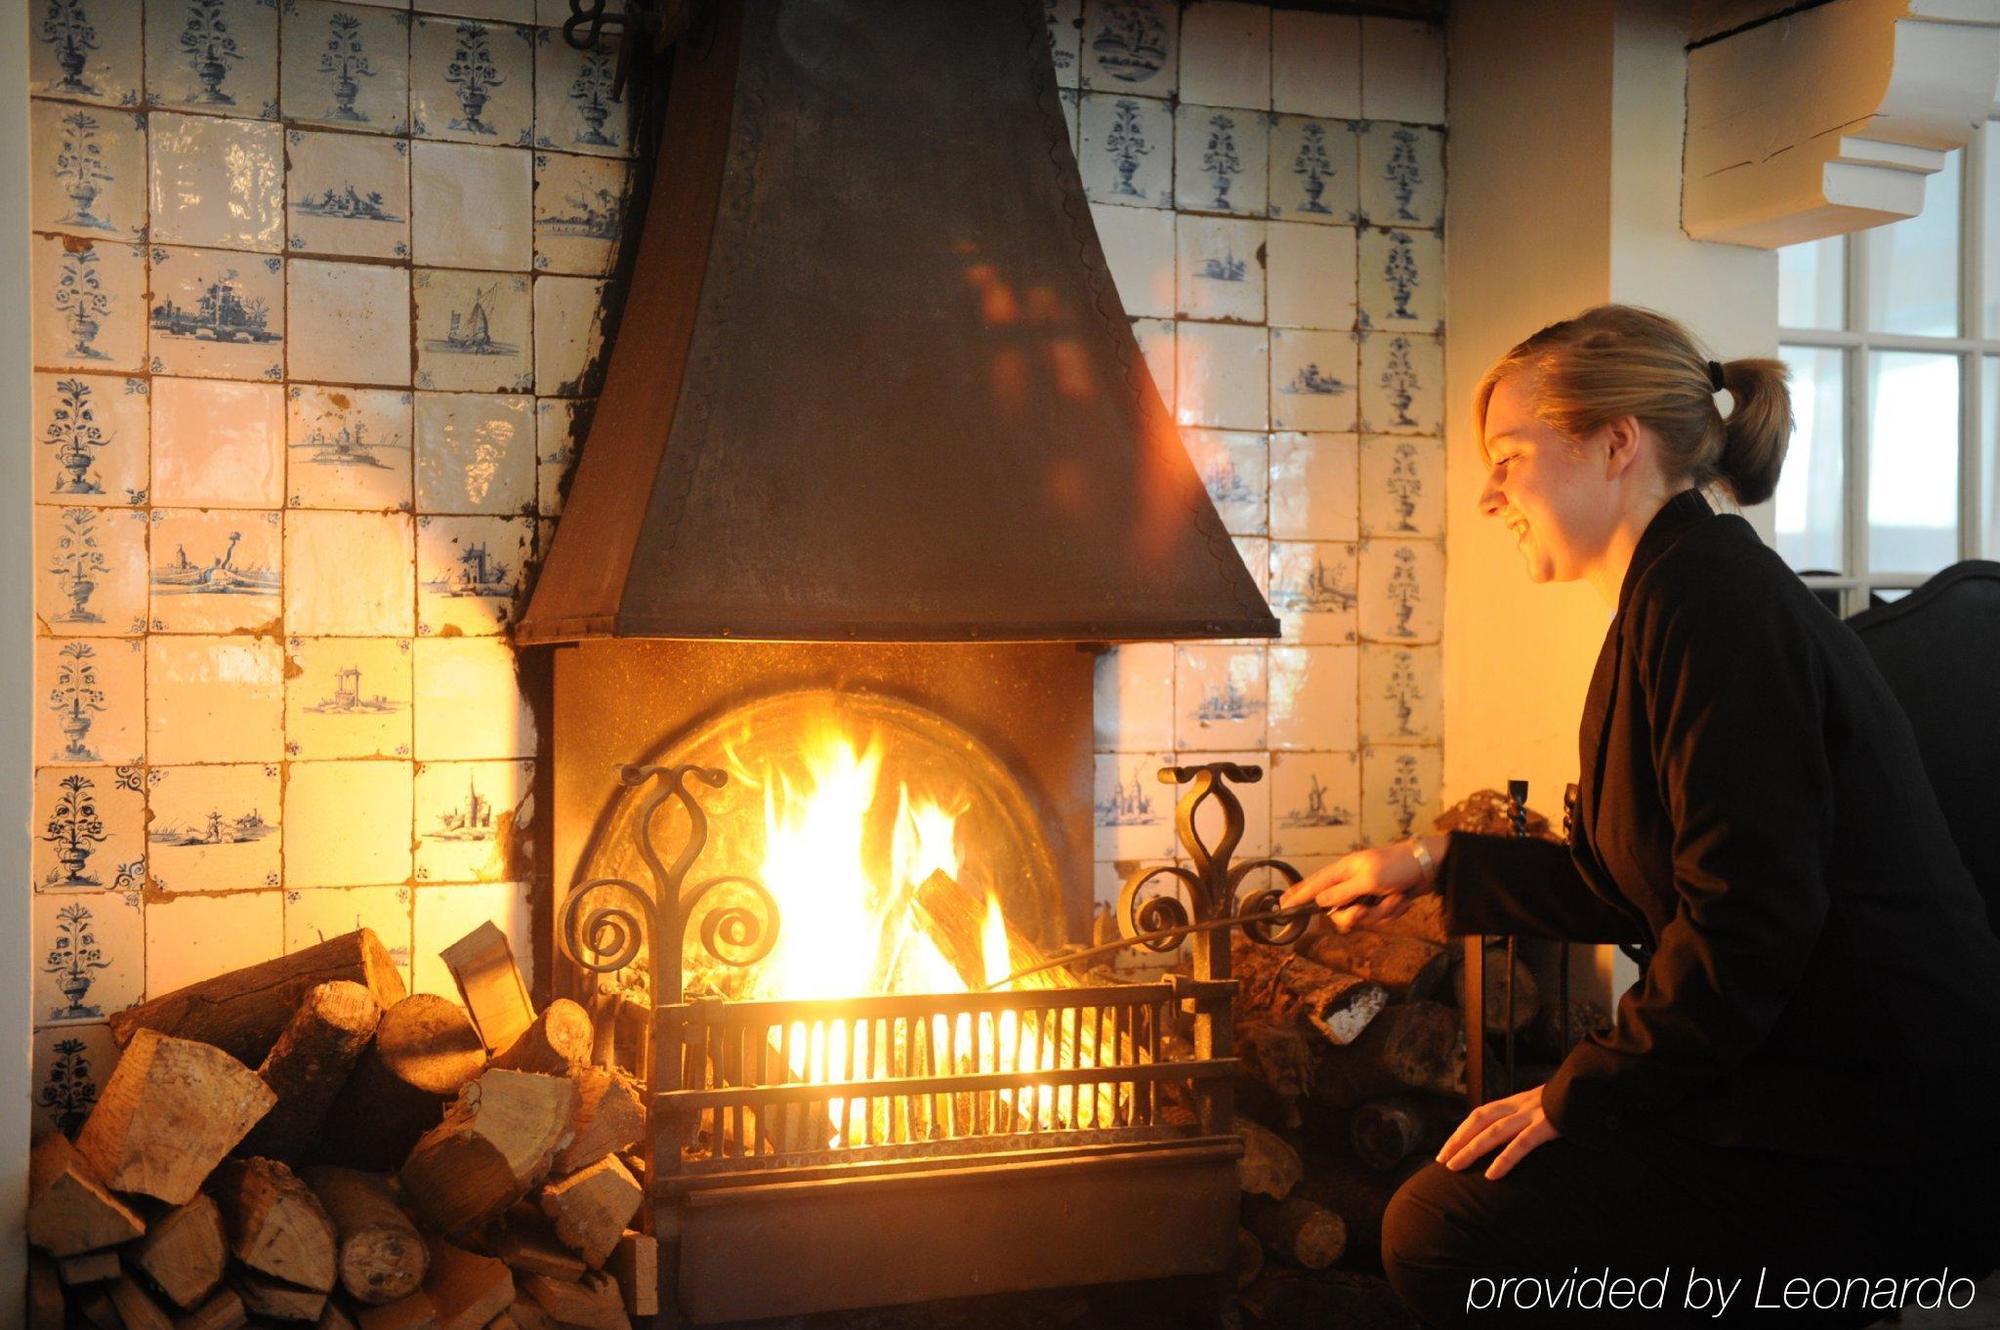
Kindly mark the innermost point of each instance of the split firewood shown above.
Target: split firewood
(223, 1311)
(1388, 1131)
(69, 1209)
(1527, 993)
(264, 1295)
(96, 1309)
(592, 1304)
(185, 1252)
(1423, 920)
(244, 1011)
(425, 1051)
(1269, 1167)
(1411, 970)
(467, 1289)
(526, 1314)
(136, 1307)
(555, 1043)
(1296, 1230)
(308, 1065)
(414, 1311)
(621, 1026)
(529, 1246)
(610, 1115)
(45, 1294)
(171, 1110)
(591, 1207)
(1277, 1068)
(334, 1317)
(1248, 1263)
(635, 1264)
(380, 1255)
(482, 965)
(91, 1267)
(494, 1144)
(1276, 983)
(276, 1224)
(1413, 1046)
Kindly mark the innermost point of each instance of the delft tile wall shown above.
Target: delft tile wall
(1269, 189)
(318, 298)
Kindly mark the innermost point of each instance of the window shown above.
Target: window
(1893, 339)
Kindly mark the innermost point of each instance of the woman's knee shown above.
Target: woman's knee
(1432, 1242)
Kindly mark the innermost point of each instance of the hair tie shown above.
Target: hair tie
(1715, 383)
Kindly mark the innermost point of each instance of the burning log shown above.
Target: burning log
(1276, 983)
(494, 1144)
(276, 1225)
(1388, 1131)
(1414, 1046)
(171, 1110)
(185, 1252)
(1269, 1167)
(591, 1208)
(69, 1210)
(954, 918)
(381, 1255)
(1410, 969)
(425, 1051)
(609, 1117)
(1296, 1230)
(482, 965)
(308, 1065)
(554, 1044)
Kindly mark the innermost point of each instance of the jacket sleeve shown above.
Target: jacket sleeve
(1508, 884)
(1733, 691)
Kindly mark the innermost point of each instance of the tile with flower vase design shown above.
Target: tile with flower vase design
(1126, 153)
(1402, 175)
(1402, 591)
(347, 697)
(89, 308)
(85, 51)
(215, 56)
(214, 699)
(213, 828)
(1402, 486)
(90, 829)
(91, 435)
(1313, 171)
(1402, 695)
(89, 171)
(89, 957)
(471, 81)
(90, 571)
(90, 701)
(72, 1065)
(1402, 383)
(1221, 160)
(1399, 792)
(346, 66)
(575, 110)
(1401, 280)
(348, 447)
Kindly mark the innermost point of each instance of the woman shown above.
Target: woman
(1805, 1081)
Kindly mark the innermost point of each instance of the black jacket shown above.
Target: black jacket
(1754, 814)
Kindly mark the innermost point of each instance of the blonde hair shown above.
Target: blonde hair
(1620, 360)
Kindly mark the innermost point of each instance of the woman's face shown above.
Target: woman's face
(1552, 493)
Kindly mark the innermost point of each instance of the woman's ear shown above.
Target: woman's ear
(1621, 445)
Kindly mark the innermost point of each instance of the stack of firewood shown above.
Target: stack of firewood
(301, 1142)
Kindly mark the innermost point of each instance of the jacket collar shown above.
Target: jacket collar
(1675, 518)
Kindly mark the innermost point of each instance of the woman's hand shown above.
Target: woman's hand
(1390, 876)
(1516, 1121)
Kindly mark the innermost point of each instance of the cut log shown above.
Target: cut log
(1277, 1069)
(953, 916)
(495, 1142)
(275, 1223)
(1388, 1131)
(1248, 1262)
(1424, 920)
(610, 1115)
(334, 1317)
(635, 1264)
(69, 1210)
(1411, 969)
(1414, 1046)
(591, 1207)
(185, 1252)
(482, 965)
(91, 1267)
(621, 1025)
(415, 1312)
(592, 1304)
(223, 1311)
(1358, 1194)
(1527, 993)
(96, 1309)
(308, 1065)
(468, 1290)
(1269, 1167)
(171, 1110)
(1296, 1230)
(530, 1247)
(380, 1255)
(243, 1012)
(1276, 983)
(1542, 1041)
(425, 1051)
(45, 1294)
(265, 1296)
(136, 1307)
(554, 1044)
(528, 1315)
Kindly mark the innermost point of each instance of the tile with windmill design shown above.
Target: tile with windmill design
(1315, 804)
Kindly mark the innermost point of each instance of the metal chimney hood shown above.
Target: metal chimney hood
(873, 381)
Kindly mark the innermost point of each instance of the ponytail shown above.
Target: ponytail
(1757, 429)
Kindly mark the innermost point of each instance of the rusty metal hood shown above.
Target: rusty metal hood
(873, 380)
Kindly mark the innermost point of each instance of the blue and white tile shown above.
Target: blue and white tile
(1255, 796)
(213, 828)
(90, 701)
(1222, 157)
(1221, 266)
(90, 571)
(348, 697)
(474, 821)
(91, 439)
(1402, 695)
(1402, 383)
(1402, 591)
(1159, 343)
(350, 574)
(216, 570)
(1139, 249)
(217, 314)
(1226, 54)
(89, 171)
(214, 699)
(469, 700)
(495, 11)
(1400, 792)
(192, 938)
(90, 304)
(1221, 376)
(1219, 698)
(1255, 552)
(1313, 172)
(1234, 466)
(475, 453)
(217, 182)
(569, 336)
(1316, 64)
(445, 913)
(72, 1065)
(559, 426)
(1402, 281)
(1314, 591)
(1312, 380)
(217, 56)
(1312, 697)
(1402, 486)
(90, 956)
(218, 443)
(574, 108)
(1402, 71)
(85, 51)
(1402, 174)
(1132, 697)
(1072, 109)
(324, 804)
(90, 829)
(1132, 812)
(347, 66)
(349, 321)
(471, 206)
(472, 82)
(469, 572)
(347, 195)
(1311, 275)
(1131, 46)
(316, 914)
(1314, 493)
(1315, 804)
(1065, 18)
(348, 448)
(474, 331)
(1127, 152)
(580, 205)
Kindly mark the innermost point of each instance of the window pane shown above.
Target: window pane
(1812, 284)
(1990, 467)
(1913, 264)
(1808, 514)
(1989, 239)
(1912, 462)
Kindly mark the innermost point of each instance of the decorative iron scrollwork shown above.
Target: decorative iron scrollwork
(1213, 886)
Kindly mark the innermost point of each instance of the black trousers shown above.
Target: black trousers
(1671, 1217)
